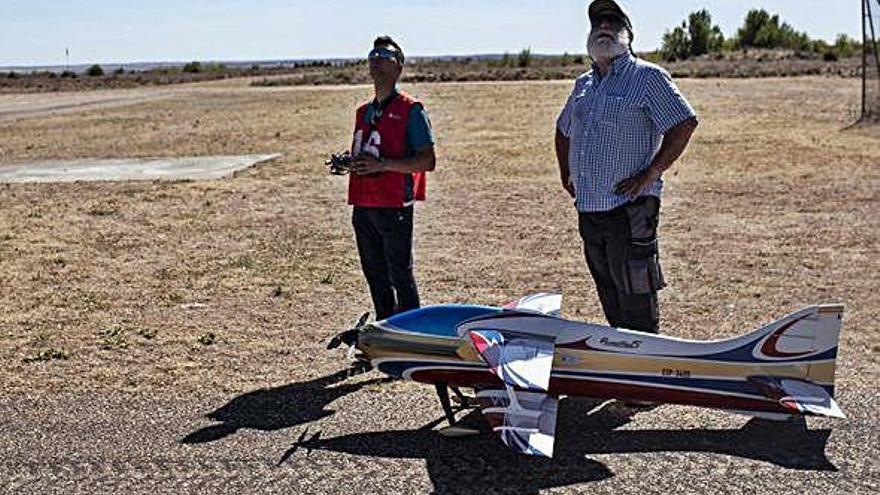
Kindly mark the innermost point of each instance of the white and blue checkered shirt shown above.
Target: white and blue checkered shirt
(615, 125)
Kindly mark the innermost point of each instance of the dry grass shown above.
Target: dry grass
(234, 284)
(749, 64)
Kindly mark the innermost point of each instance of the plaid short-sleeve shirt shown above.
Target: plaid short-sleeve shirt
(615, 125)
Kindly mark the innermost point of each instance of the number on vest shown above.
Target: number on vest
(371, 147)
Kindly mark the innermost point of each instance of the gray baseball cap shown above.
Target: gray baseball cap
(600, 7)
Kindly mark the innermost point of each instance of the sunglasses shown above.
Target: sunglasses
(383, 53)
(614, 21)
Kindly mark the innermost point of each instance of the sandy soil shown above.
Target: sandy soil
(128, 304)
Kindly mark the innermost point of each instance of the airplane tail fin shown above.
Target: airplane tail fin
(807, 339)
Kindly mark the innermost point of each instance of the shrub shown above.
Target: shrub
(208, 338)
(119, 71)
(846, 47)
(47, 355)
(505, 60)
(654, 57)
(193, 67)
(95, 71)
(69, 74)
(565, 59)
(819, 46)
(113, 338)
(524, 59)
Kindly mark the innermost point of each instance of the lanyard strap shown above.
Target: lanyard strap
(378, 110)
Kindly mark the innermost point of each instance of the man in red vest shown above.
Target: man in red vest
(394, 147)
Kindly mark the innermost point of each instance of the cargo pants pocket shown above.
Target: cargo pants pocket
(643, 274)
(642, 271)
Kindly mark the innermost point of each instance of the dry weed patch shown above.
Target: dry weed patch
(222, 284)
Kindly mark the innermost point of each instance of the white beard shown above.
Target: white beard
(605, 48)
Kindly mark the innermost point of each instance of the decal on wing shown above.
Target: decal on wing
(522, 361)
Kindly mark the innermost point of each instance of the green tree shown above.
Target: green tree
(676, 44)
(797, 40)
(696, 36)
(762, 30)
(704, 37)
(755, 20)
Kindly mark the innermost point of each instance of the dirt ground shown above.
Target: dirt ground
(131, 310)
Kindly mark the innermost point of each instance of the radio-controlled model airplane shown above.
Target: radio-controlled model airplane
(521, 359)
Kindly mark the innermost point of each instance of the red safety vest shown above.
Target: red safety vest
(385, 139)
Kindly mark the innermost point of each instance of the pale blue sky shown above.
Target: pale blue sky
(36, 32)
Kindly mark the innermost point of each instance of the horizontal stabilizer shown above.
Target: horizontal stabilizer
(544, 303)
(798, 396)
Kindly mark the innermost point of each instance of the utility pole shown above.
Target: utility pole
(864, 60)
(67, 59)
(873, 33)
(875, 101)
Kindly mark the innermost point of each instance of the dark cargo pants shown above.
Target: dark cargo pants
(384, 241)
(620, 246)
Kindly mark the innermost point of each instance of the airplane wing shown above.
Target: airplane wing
(548, 304)
(520, 411)
(520, 360)
(525, 421)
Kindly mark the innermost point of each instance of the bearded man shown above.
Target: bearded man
(623, 126)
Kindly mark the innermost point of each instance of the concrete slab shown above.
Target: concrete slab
(128, 169)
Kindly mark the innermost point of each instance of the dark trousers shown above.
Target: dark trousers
(620, 246)
(384, 241)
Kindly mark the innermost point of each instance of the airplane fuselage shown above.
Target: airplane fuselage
(427, 345)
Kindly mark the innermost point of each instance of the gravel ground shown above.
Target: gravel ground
(290, 439)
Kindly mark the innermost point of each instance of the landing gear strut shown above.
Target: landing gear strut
(453, 430)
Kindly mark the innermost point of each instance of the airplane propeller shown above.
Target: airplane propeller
(350, 336)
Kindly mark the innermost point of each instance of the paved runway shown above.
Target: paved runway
(126, 169)
(363, 436)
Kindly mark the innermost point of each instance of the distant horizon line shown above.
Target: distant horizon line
(147, 65)
(246, 62)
